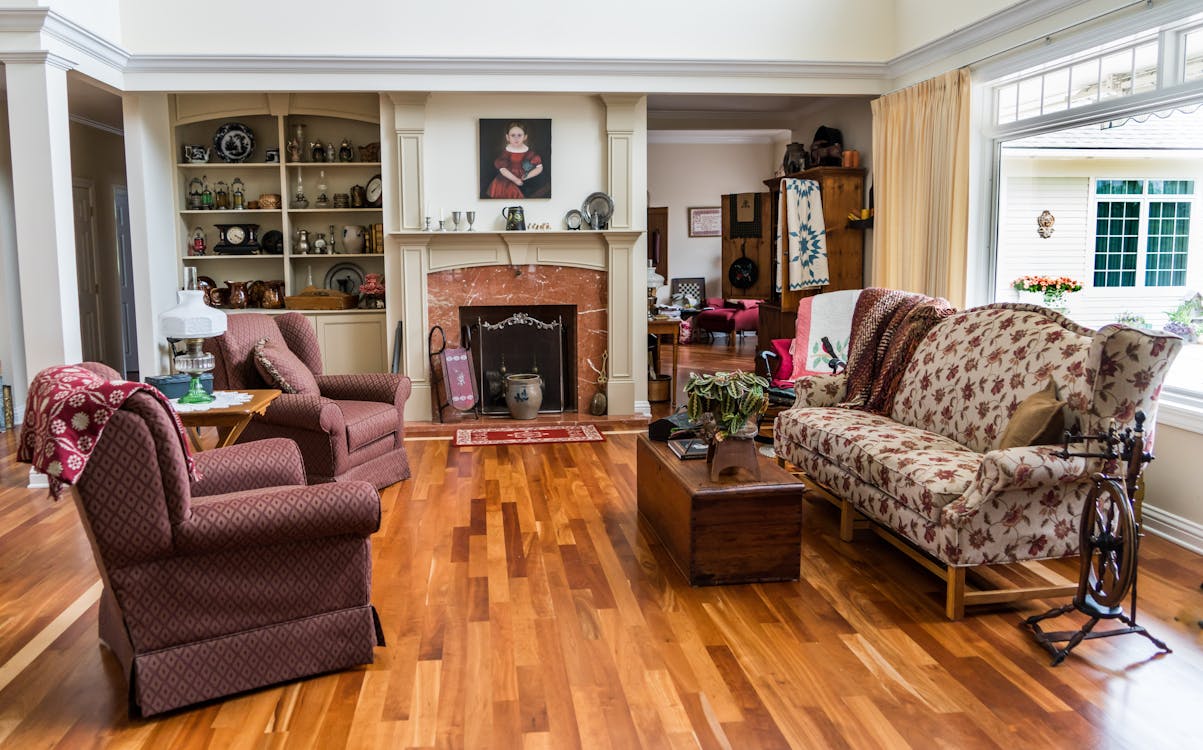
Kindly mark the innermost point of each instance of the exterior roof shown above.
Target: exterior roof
(1180, 128)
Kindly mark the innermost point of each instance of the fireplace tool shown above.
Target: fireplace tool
(452, 376)
(1110, 542)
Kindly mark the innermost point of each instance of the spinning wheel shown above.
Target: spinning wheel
(1109, 542)
(1108, 547)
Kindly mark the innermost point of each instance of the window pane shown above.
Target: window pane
(1084, 83)
(1029, 98)
(1116, 75)
(1115, 249)
(1006, 103)
(1119, 187)
(1164, 265)
(1145, 77)
(1056, 90)
(1193, 65)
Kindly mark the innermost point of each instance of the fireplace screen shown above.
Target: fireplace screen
(507, 340)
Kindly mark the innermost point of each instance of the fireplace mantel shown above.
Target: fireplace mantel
(410, 256)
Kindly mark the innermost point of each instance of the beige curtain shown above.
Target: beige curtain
(921, 187)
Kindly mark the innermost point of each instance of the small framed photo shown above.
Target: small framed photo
(705, 222)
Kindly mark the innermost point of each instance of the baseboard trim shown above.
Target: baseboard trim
(1181, 531)
(38, 480)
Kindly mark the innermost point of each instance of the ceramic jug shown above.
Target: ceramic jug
(353, 238)
(272, 296)
(514, 218)
(236, 297)
(524, 395)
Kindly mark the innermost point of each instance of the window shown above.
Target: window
(1192, 67)
(1130, 214)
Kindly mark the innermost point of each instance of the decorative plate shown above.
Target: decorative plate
(344, 277)
(234, 142)
(597, 209)
(573, 219)
(272, 242)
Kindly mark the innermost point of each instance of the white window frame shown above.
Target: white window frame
(1142, 230)
(1178, 407)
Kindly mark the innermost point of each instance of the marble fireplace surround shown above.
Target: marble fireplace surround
(540, 258)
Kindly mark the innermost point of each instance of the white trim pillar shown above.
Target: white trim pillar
(40, 136)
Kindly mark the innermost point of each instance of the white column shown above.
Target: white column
(154, 247)
(40, 136)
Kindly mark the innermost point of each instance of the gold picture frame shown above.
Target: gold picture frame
(705, 221)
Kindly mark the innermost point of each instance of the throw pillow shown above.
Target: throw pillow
(283, 369)
(1039, 420)
(784, 372)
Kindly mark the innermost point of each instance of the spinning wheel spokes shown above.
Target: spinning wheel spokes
(1108, 547)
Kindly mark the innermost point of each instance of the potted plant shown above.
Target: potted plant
(727, 405)
(1053, 288)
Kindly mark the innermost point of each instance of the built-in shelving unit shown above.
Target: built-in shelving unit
(352, 340)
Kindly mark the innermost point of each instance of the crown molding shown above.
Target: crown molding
(983, 30)
(38, 57)
(96, 125)
(493, 67)
(722, 137)
(23, 19)
(86, 42)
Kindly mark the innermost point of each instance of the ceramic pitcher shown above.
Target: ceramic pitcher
(353, 238)
(514, 218)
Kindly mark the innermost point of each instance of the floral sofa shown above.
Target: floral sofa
(929, 474)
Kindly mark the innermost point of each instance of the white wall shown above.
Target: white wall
(533, 29)
(100, 157)
(451, 147)
(1173, 494)
(684, 175)
(101, 17)
(917, 22)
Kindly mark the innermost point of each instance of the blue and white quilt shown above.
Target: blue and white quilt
(802, 235)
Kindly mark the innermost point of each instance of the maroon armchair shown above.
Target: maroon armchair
(728, 316)
(351, 429)
(244, 578)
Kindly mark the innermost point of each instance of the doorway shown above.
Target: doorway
(87, 261)
(125, 281)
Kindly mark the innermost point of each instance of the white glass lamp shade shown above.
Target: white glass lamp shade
(192, 318)
(654, 280)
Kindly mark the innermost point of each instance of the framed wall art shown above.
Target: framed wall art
(515, 158)
(705, 222)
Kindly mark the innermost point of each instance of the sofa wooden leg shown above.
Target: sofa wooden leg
(954, 602)
(847, 519)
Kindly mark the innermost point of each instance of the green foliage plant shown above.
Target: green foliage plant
(733, 398)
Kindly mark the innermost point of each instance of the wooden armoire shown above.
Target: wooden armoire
(843, 191)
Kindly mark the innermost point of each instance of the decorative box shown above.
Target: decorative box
(174, 386)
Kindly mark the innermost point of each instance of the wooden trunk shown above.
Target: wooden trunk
(732, 531)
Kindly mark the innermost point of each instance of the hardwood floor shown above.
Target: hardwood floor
(524, 606)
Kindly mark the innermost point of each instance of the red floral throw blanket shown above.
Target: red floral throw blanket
(67, 408)
(887, 326)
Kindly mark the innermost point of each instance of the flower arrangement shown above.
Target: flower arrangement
(1054, 288)
(733, 398)
(371, 291)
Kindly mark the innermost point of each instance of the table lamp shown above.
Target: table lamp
(193, 321)
(654, 282)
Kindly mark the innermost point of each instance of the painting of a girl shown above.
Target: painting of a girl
(515, 158)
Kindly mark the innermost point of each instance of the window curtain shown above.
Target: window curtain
(921, 187)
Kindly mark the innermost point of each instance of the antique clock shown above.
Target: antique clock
(237, 239)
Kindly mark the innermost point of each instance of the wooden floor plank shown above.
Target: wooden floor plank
(524, 605)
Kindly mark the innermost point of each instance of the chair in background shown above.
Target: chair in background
(731, 317)
(691, 287)
(243, 578)
(348, 427)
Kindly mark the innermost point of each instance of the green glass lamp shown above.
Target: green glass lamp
(193, 321)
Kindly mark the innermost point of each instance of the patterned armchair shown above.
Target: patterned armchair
(243, 578)
(931, 470)
(352, 429)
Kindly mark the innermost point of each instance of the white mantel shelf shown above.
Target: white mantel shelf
(410, 256)
(581, 249)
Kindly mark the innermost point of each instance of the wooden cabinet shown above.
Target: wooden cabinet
(843, 191)
(351, 341)
(754, 239)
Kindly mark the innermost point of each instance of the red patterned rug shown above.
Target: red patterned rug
(556, 433)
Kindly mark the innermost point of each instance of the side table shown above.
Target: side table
(230, 421)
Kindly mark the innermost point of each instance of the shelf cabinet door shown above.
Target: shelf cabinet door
(351, 342)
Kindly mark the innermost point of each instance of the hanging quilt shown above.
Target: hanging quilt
(801, 235)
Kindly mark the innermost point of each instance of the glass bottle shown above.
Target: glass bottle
(195, 186)
(206, 195)
(332, 249)
(237, 191)
(322, 200)
(296, 143)
(222, 195)
(197, 246)
(298, 199)
(319, 245)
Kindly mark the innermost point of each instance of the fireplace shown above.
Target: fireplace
(510, 339)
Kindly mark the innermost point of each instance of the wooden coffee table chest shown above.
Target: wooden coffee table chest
(734, 531)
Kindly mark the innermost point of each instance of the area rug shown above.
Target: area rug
(565, 433)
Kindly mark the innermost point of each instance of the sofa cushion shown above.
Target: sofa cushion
(1039, 420)
(367, 421)
(921, 469)
(283, 369)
